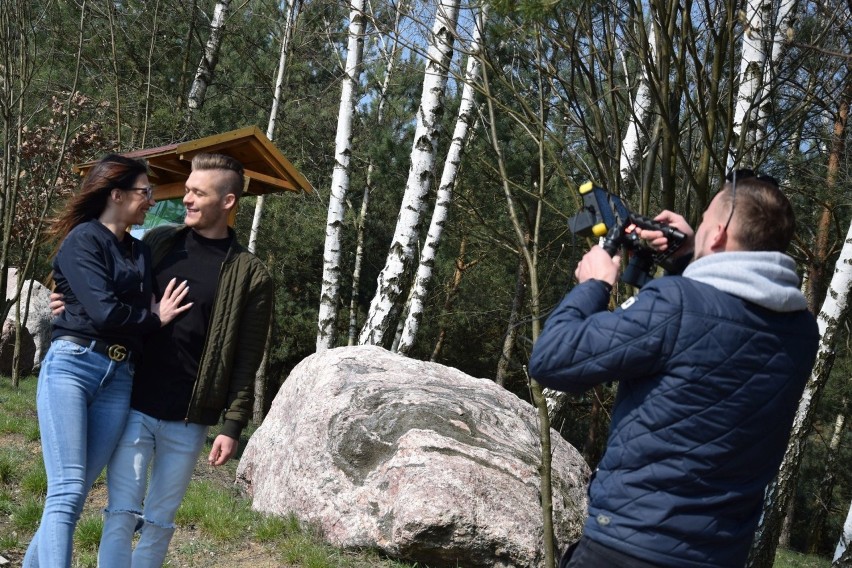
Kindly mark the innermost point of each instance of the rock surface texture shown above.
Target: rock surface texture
(415, 459)
(37, 333)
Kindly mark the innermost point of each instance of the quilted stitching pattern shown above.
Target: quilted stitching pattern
(708, 387)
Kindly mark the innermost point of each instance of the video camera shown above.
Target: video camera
(605, 215)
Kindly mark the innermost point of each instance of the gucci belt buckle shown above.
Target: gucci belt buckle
(117, 353)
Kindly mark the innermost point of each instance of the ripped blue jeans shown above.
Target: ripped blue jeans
(170, 449)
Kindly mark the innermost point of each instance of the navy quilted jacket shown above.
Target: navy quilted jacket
(708, 387)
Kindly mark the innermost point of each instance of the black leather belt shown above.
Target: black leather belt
(114, 351)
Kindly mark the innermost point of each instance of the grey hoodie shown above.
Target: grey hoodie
(767, 279)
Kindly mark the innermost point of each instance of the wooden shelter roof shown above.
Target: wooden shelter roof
(266, 168)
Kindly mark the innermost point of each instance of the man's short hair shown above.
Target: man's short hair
(765, 218)
(232, 184)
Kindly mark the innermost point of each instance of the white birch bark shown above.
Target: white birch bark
(385, 306)
(752, 65)
(330, 292)
(779, 491)
(784, 20)
(845, 539)
(390, 56)
(287, 33)
(630, 147)
(207, 65)
(464, 121)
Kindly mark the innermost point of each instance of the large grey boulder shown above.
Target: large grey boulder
(38, 317)
(7, 349)
(415, 459)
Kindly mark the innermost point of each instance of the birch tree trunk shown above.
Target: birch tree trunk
(273, 113)
(207, 65)
(843, 553)
(631, 154)
(780, 490)
(184, 67)
(330, 293)
(465, 119)
(752, 67)
(782, 36)
(390, 57)
(390, 293)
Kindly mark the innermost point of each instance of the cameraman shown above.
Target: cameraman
(711, 366)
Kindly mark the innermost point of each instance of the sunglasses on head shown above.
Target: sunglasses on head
(742, 174)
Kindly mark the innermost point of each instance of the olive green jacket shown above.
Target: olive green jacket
(236, 334)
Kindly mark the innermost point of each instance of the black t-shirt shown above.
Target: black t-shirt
(164, 379)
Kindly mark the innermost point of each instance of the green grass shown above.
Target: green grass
(26, 515)
(9, 470)
(220, 513)
(18, 414)
(88, 533)
(34, 481)
(7, 502)
(791, 559)
(270, 528)
(10, 541)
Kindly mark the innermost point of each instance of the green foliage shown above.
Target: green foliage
(270, 528)
(26, 515)
(9, 541)
(208, 507)
(305, 552)
(34, 481)
(7, 502)
(9, 471)
(88, 533)
(790, 559)
(822, 482)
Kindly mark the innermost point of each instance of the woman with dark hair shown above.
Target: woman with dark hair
(84, 386)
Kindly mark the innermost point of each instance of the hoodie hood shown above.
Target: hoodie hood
(767, 279)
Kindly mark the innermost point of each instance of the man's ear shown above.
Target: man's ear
(229, 201)
(719, 239)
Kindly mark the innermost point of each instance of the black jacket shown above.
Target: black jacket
(107, 286)
(236, 335)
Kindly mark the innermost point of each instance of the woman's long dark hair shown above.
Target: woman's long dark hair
(110, 172)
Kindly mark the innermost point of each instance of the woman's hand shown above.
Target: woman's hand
(168, 308)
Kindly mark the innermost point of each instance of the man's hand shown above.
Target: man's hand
(224, 448)
(659, 243)
(598, 265)
(57, 304)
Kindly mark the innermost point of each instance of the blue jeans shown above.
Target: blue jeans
(171, 450)
(83, 398)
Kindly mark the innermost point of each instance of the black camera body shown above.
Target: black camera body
(605, 215)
